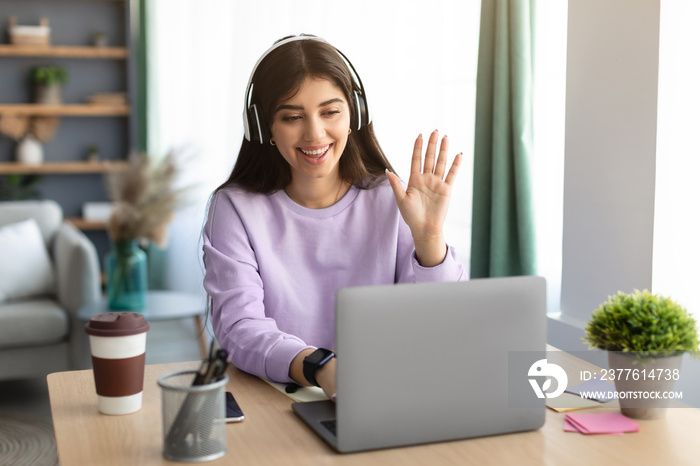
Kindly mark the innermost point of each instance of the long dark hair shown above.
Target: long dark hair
(260, 167)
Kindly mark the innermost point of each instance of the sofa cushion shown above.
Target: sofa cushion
(47, 213)
(32, 323)
(25, 268)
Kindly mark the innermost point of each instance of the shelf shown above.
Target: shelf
(82, 224)
(65, 110)
(61, 168)
(63, 51)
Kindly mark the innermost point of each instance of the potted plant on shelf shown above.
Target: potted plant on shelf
(19, 187)
(646, 336)
(100, 39)
(48, 81)
(93, 153)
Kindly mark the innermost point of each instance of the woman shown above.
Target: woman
(308, 210)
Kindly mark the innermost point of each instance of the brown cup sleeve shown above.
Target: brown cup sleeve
(119, 377)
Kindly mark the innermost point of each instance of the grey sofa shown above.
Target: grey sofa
(41, 334)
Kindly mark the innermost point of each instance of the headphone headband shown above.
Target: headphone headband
(253, 123)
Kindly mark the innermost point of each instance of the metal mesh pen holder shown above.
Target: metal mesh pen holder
(194, 418)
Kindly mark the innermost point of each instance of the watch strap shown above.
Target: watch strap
(315, 361)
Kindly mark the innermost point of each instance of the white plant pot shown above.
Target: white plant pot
(29, 151)
(638, 406)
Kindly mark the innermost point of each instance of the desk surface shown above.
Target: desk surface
(272, 434)
(160, 305)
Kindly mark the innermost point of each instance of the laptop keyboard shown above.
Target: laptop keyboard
(330, 425)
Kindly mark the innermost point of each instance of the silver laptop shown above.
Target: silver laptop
(429, 362)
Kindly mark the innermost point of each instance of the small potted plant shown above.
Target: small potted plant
(99, 39)
(19, 187)
(646, 336)
(93, 153)
(48, 81)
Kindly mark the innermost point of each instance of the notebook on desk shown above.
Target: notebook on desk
(429, 362)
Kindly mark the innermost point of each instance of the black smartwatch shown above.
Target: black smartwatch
(314, 362)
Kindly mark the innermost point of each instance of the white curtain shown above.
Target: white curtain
(417, 60)
(548, 160)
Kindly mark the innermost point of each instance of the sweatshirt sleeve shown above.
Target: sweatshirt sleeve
(232, 280)
(409, 269)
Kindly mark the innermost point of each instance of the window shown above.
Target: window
(676, 235)
(548, 159)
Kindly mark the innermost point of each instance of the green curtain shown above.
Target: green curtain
(503, 234)
(142, 77)
(156, 255)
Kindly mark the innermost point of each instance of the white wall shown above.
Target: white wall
(612, 81)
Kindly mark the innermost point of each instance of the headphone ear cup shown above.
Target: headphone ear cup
(256, 127)
(360, 110)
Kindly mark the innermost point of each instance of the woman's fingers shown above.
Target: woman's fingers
(416, 158)
(429, 164)
(396, 186)
(454, 168)
(442, 158)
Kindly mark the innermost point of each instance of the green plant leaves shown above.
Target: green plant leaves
(644, 323)
(18, 187)
(48, 75)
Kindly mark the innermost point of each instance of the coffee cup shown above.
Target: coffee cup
(118, 348)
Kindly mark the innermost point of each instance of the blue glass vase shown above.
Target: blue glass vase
(127, 276)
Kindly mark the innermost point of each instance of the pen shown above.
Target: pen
(212, 369)
(222, 358)
(206, 365)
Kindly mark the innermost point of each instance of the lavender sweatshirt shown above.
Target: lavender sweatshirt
(273, 268)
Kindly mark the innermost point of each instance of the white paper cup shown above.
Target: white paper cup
(118, 348)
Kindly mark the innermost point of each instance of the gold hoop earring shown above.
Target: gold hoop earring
(272, 142)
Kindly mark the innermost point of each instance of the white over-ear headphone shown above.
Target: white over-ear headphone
(253, 124)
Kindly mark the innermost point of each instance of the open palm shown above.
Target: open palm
(423, 205)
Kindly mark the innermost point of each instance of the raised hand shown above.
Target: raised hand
(424, 204)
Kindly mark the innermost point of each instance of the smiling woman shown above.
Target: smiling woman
(312, 206)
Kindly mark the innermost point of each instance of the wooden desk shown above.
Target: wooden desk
(272, 434)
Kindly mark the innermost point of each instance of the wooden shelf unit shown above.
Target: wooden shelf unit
(83, 224)
(17, 57)
(63, 51)
(66, 110)
(61, 168)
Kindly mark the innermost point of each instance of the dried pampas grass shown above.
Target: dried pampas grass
(145, 199)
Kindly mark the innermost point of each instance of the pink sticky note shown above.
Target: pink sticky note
(602, 423)
(569, 427)
(579, 427)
